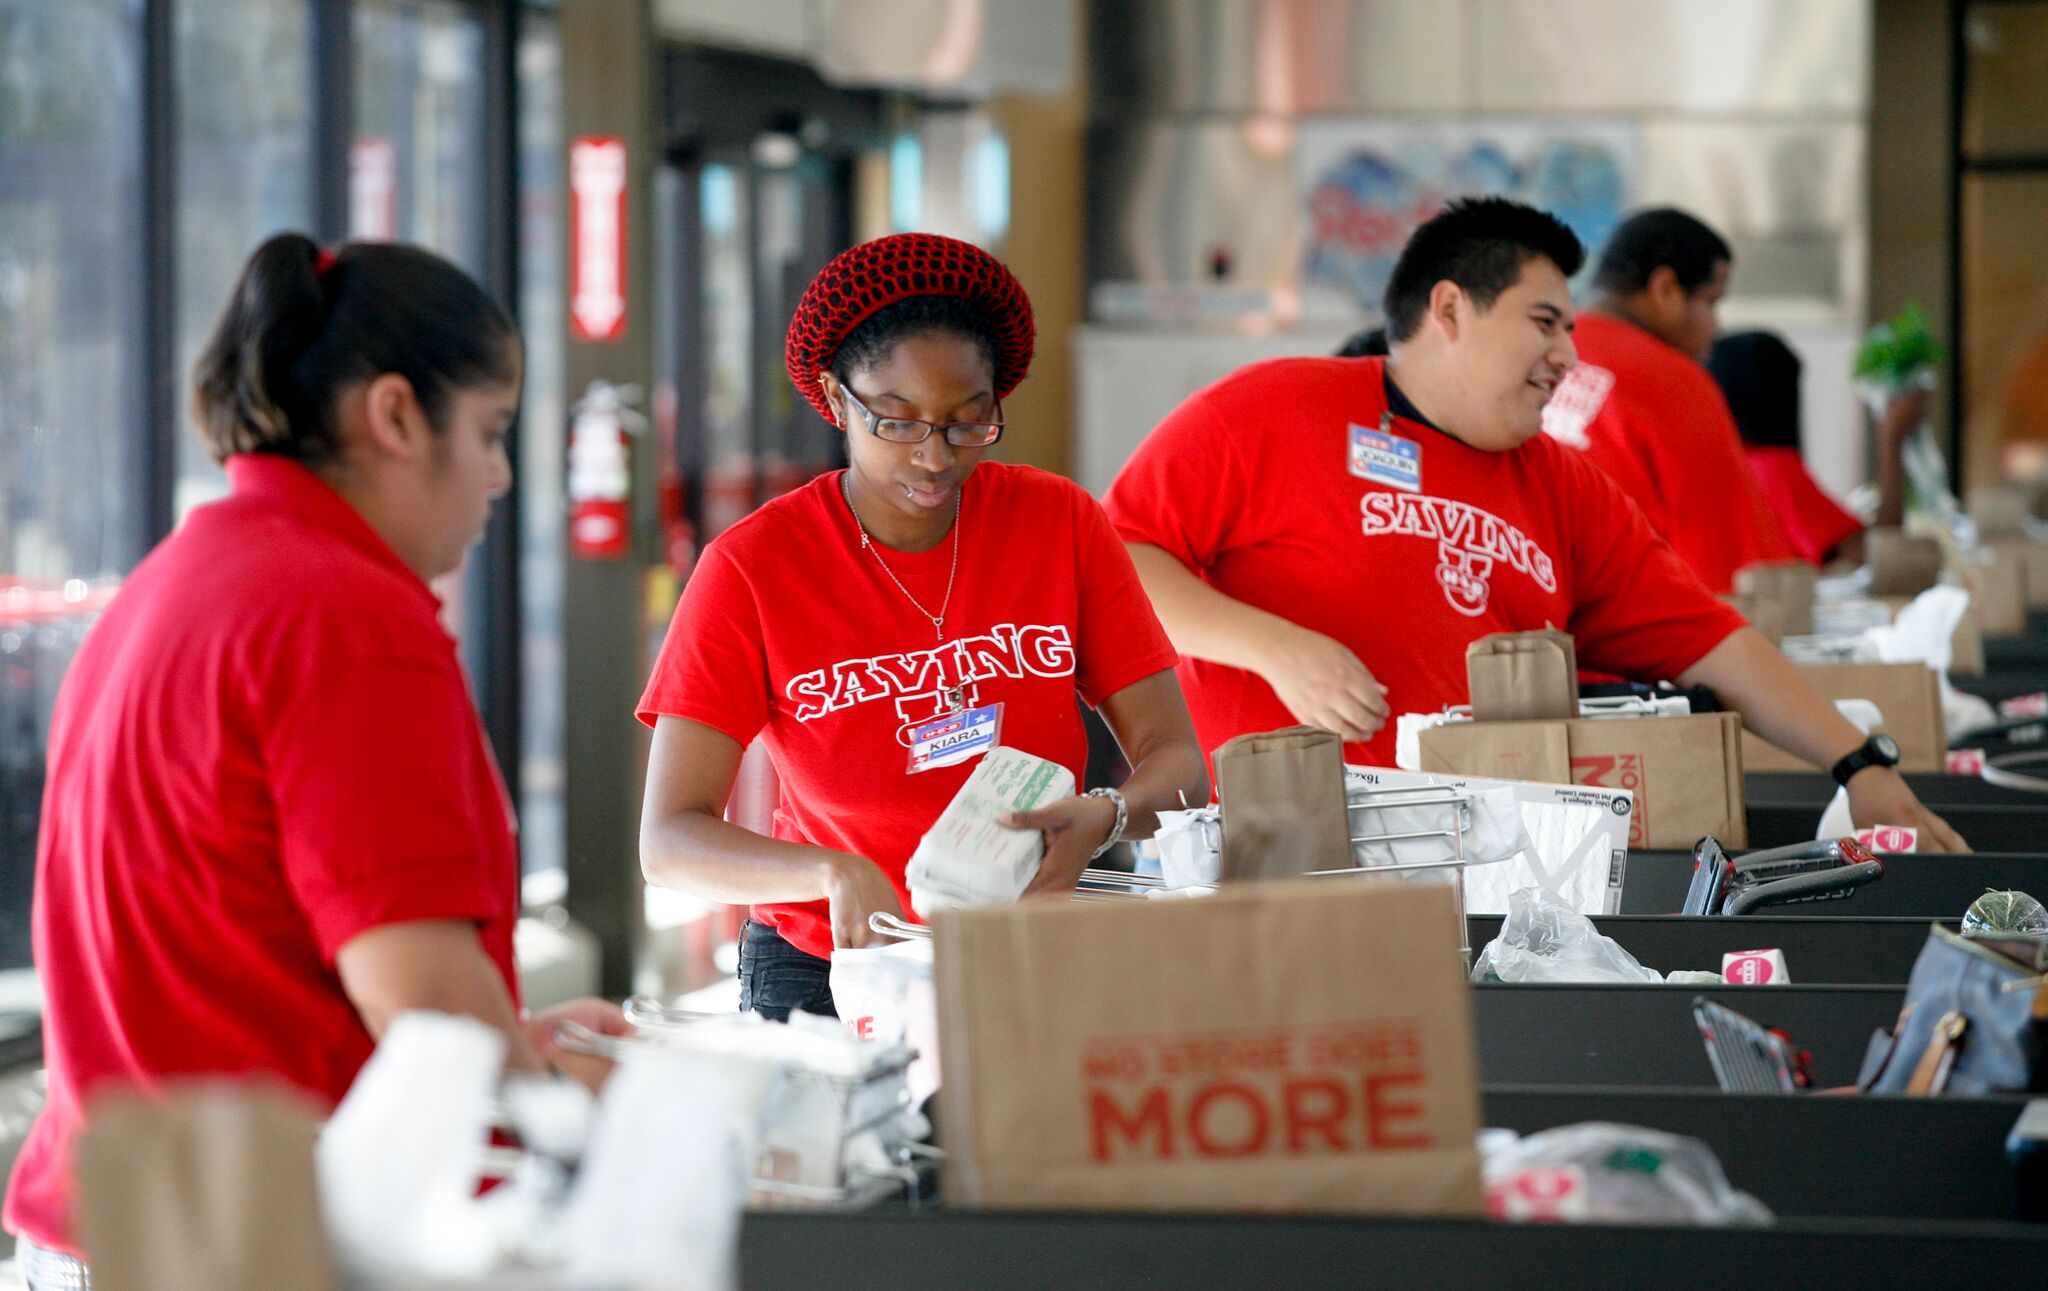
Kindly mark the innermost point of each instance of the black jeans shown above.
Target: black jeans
(776, 977)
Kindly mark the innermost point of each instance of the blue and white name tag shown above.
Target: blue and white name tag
(952, 739)
(1385, 458)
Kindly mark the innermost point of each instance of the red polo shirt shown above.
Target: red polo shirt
(264, 747)
(1278, 488)
(789, 629)
(1815, 523)
(1653, 419)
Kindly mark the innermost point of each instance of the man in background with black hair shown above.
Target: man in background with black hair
(1323, 537)
(1644, 408)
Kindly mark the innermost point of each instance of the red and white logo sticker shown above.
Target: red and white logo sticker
(1966, 762)
(2034, 705)
(1576, 401)
(1754, 968)
(1889, 838)
(1539, 1194)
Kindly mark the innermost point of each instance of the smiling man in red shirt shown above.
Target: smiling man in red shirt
(1322, 538)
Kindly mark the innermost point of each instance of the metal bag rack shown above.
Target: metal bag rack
(856, 1103)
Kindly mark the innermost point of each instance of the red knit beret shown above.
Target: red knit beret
(874, 275)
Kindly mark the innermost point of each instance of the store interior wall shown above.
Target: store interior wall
(1750, 113)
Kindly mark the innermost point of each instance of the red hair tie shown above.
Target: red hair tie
(323, 260)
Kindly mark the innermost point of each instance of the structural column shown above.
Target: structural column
(609, 53)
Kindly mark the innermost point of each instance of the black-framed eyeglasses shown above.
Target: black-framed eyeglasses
(910, 430)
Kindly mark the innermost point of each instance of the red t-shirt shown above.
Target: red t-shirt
(1270, 486)
(788, 630)
(264, 747)
(1814, 522)
(1654, 420)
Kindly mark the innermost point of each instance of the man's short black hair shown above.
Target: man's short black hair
(1660, 238)
(1480, 243)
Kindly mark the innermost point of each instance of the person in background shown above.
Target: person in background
(1324, 537)
(271, 823)
(921, 588)
(1641, 406)
(1368, 344)
(1759, 375)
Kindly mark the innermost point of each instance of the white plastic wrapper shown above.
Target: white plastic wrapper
(1574, 838)
(1542, 941)
(1190, 847)
(1598, 1172)
(885, 994)
(398, 1161)
(658, 1200)
(966, 858)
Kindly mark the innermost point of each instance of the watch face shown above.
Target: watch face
(1886, 748)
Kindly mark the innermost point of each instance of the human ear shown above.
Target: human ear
(1664, 289)
(834, 393)
(1446, 304)
(393, 420)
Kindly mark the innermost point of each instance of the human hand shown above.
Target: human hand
(1322, 683)
(1903, 413)
(1881, 796)
(1072, 829)
(856, 888)
(601, 1016)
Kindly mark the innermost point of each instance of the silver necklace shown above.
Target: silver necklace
(939, 619)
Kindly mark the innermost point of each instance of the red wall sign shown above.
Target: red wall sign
(372, 190)
(597, 238)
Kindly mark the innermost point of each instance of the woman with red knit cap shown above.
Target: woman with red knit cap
(920, 584)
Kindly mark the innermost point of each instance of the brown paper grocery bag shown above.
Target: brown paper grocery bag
(210, 1190)
(1295, 776)
(1999, 512)
(1296, 1047)
(1685, 772)
(1784, 591)
(1538, 751)
(1900, 565)
(1523, 676)
(1763, 613)
(1998, 587)
(1908, 694)
(2033, 558)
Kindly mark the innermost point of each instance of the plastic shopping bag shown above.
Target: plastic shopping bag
(1543, 941)
(884, 993)
(1603, 1173)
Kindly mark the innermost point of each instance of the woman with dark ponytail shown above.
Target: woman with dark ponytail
(271, 823)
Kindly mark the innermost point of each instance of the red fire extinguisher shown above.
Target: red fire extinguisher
(600, 470)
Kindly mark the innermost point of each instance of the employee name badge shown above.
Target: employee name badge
(955, 738)
(1383, 457)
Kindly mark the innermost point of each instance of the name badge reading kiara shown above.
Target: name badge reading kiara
(956, 737)
(1385, 458)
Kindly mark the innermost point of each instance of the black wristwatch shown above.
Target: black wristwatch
(1878, 751)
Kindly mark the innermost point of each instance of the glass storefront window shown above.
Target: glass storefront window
(243, 167)
(71, 384)
(416, 165)
(542, 304)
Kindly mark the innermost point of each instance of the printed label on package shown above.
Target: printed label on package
(1386, 458)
